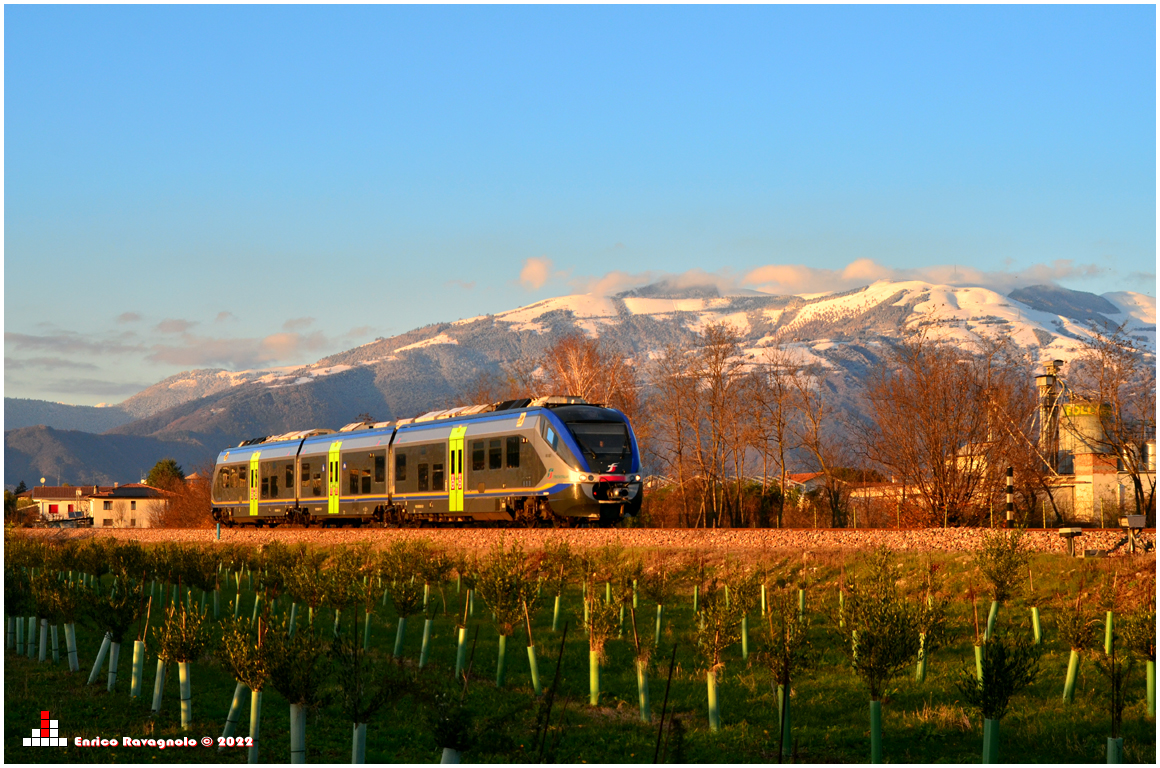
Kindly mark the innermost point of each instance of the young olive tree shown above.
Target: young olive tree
(719, 622)
(505, 587)
(245, 654)
(787, 651)
(183, 637)
(1010, 664)
(880, 630)
(556, 565)
(1139, 634)
(1076, 629)
(932, 619)
(298, 669)
(1002, 558)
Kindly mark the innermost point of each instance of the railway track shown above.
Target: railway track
(749, 541)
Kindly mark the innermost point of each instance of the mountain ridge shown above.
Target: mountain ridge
(425, 368)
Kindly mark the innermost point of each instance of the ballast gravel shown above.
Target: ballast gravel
(740, 541)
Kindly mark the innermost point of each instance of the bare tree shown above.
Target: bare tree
(1119, 375)
(489, 387)
(189, 502)
(943, 420)
(818, 432)
(674, 397)
(718, 368)
(775, 415)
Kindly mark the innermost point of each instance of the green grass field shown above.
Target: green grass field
(922, 723)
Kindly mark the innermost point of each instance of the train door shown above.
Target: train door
(333, 479)
(254, 482)
(455, 446)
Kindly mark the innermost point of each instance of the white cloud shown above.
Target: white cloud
(535, 272)
(801, 278)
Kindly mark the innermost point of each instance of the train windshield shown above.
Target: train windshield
(605, 444)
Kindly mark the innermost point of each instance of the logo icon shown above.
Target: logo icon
(46, 734)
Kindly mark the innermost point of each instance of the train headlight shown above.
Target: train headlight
(591, 478)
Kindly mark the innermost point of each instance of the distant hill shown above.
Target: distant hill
(21, 412)
(82, 458)
(194, 415)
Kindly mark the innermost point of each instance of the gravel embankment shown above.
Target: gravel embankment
(746, 541)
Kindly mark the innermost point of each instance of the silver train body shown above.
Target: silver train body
(554, 460)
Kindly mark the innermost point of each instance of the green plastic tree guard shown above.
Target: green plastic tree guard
(500, 664)
(642, 690)
(1069, 683)
(1115, 750)
(593, 678)
(255, 722)
(714, 712)
(186, 696)
(138, 668)
(990, 741)
(994, 612)
(399, 635)
(70, 644)
(232, 718)
(461, 652)
(745, 637)
(104, 651)
(1036, 633)
(423, 649)
(1150, 682)
(358, 747)
(297, 733)
(875, 731)
(159, 685)
(534, 669)
(786, 719)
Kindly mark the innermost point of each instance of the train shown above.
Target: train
(546, 461)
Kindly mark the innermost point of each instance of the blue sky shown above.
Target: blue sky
(239, 187)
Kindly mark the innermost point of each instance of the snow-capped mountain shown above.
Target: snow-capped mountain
(202, 411)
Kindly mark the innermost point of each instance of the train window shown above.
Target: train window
(400, 467)
(290, 476)
(513, 452)
(476, 455)
(551, 437)
(437, 477)
(316, 483)
(422, 477)
(305, 474)
(381, 467)
(366, 481)
(494, 454)
(273, 486)
(265, 487)
(353, 481)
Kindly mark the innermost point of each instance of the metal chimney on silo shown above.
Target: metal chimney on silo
(1049, 394)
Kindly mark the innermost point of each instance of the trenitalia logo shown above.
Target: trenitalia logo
(46, 735)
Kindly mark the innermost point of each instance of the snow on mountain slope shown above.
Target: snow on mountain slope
(1141, 308)
(820, 327)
